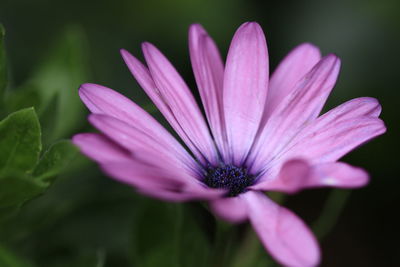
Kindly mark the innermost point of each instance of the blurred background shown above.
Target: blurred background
(86, 219)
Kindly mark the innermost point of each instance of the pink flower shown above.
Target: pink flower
(262, 134)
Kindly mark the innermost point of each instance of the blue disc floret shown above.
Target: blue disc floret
(234, 179)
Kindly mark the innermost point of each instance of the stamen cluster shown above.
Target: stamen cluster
(235, 179)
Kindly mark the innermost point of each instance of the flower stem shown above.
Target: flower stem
(330, 213)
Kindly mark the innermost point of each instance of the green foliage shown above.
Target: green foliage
(55, 160)
(20, 141)
(52, 89)
(3, 70)
(17, 188)
(8, 259)
(171, 235)
(22, 175)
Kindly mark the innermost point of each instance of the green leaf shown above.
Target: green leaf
(8, 259)
(20, 142)
(53, 87)
(24, 97)
(63, 70)
(16, 188)
(55, 160)
(3, 69)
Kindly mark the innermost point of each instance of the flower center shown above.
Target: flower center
(235, 179)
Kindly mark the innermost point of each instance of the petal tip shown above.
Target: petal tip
(124, 53)
(249, 27)
(147, 46)
(196, 27)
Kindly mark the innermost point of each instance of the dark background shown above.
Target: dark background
(85, 211)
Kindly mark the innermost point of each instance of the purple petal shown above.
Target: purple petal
(157, 182)
(302, 106)
(181, 103)
(352, 109)
(332, 135)
(283, 234)
(100, 148)
(298, 174)
(245, 88)
(334, 140)
(291, 69)
(232, 209)
(143, 76)
(208, 70)
(142, 145)
(102, 100)
(291, 177)
(188, 194)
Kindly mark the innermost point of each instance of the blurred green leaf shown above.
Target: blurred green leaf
(170, 235)
(3, 70)
(8, 212)
(24, 97)
(155, 245)
(16, 188)
(8, 259)
(64, 69)
(194, 247)
(55, 160)
(20, 141)
(331, 211)
(53, 87)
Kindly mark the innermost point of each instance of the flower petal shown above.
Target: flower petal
(100, 148)
(352, 109)
(208, 70)
(334, 140)
(157, 182)
(143, 76)
(165, 182)
(291, 69)
(187, 194)
(143, 146)
(245, 88)
(302, 106)
(332, 135)
(102, 100)
(183, 107)
(283, 234)
(232, 209)
(298, 174)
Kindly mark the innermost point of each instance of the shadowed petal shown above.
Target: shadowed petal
(102, 100)
(187, 194)
(232, 209)
(283, 234)
(291, 69)
(302, 106)
(245, 88)
(181, 103)
(100, 148)
(298, 174)
(208, 70)
(167, 184)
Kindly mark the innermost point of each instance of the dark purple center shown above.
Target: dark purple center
(234, 179)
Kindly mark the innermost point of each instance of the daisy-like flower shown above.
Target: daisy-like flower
(262, 134)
